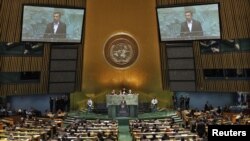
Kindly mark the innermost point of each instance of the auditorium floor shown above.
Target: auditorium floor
(124, 134)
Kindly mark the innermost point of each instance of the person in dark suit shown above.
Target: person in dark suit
(123, 108)
(51, 104)
(191, 27)
(165, 137)
(55, 29)
(201, 128)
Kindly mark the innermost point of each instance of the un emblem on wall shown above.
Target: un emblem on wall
(121, 51)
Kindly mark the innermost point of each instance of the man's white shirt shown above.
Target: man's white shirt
(55, 27)
(190, 25)
(90, 102)
(154, 101)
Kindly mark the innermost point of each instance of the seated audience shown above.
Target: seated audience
(165, 137)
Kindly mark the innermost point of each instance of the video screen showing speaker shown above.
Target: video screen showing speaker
(189, 22)
(52, 24)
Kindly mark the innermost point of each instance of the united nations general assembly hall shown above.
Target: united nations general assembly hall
(124, 70)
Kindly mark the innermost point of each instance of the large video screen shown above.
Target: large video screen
(52, 24)
(190, 22)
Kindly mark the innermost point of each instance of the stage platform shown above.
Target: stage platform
(122, 120)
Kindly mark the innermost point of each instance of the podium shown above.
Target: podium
(113, 102)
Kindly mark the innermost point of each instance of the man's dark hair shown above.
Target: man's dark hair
(189, 11)
(57, 12)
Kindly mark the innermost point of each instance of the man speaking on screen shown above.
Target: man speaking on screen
(56, 29)
(191, 28)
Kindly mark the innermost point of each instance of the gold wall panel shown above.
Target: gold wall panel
(134, 17)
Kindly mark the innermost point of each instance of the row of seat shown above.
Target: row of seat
(81, 129)
(159, 129)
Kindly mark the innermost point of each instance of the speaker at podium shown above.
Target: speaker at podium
(122, 105)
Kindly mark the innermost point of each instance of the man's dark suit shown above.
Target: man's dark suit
(201, 128)
(60, 32)
(196, 29)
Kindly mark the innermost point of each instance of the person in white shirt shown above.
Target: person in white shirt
(154, 103)
(129, 91)
(56, 29)
(124, 91)
(89, 105)
(191, 27)
(113, 92)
